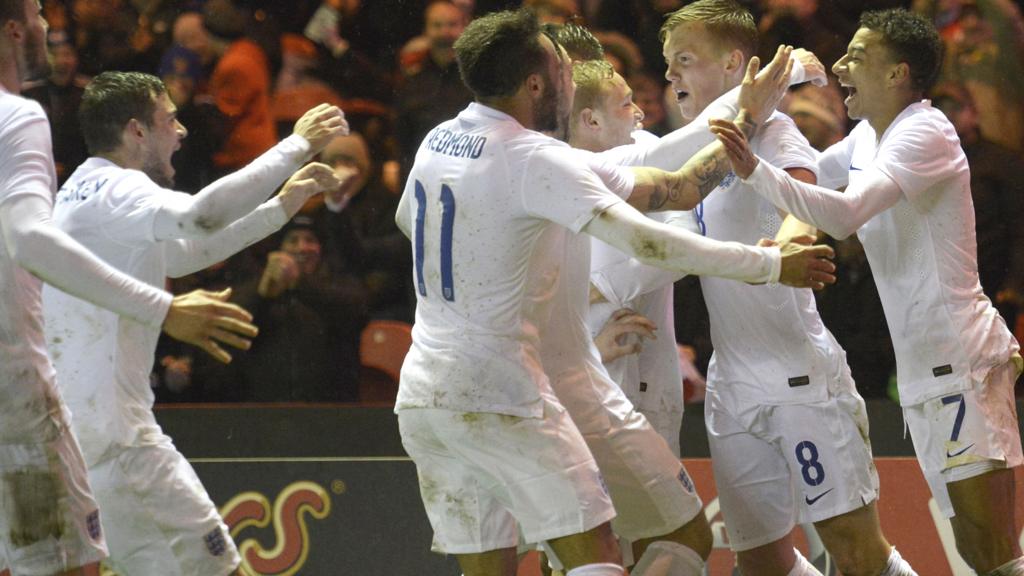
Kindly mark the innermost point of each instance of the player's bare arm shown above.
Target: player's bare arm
(685, 188)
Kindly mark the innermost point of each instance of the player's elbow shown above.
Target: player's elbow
(24, 245)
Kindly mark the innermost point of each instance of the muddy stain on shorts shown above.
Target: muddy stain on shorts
(32, 500)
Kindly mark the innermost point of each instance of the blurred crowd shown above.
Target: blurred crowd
(242, 71)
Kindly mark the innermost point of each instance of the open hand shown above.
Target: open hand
(761, 93)
(320, 125)
(206, 319)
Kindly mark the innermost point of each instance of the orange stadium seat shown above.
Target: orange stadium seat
(382, 350)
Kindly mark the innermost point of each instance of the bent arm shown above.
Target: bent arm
(41, 248)
(838, 214)
(232, 196)
(669, 247)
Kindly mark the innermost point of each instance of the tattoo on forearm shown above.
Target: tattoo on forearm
(711, 168)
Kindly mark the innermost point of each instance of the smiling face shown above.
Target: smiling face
(303, 245)
(162, 138)
(618, 114)
(697, 67)
(863, 72)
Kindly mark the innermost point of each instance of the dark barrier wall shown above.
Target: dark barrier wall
(316, 490)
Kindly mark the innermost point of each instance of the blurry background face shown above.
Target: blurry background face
(444, 25)
(65, 60)
(303, 245)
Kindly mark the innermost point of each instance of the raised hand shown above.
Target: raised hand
(806, 266)
(320, 125)
(742, 158)
(761, 93)
(308, 181)
(206, 319)
(814, 71)
(623, 334)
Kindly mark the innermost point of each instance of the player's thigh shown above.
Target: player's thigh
(967, 434)
(755, 486)
(538, 470)
(827, 448)
(652, 492)
(49, 521)
(157, 513)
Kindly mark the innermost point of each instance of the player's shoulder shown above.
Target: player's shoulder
(15, 110)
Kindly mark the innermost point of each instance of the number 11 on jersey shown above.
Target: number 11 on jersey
(447, 226)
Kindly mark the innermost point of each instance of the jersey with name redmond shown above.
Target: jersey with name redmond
(480, 197)
(27, 393)
(923, 253)
(770, 343)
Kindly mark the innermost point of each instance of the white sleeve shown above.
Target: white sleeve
(788, 147)
(622, 279)
(838, 214)
(188, 256)
(921, 154)
(233, 196)
(560, 185)
(38, 246)
(669, 247)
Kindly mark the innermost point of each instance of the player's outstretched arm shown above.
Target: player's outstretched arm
(207, 320)
(187, 256)
(623, 334)
(685, 188)
(838, 214)
(669, 247)
(237, 194)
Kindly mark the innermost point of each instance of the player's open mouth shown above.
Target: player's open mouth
(851, 91)
(681, 94)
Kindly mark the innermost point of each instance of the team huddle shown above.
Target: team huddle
(547, 231)
(526, 432)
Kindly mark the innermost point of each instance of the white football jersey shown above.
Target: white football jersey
(489, 206)
(770, 343)
(923, 253)
(28, 398)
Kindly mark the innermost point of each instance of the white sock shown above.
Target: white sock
(803, 567)
(1011, 568)
(897, 566)
(665, 558)
(597, 570)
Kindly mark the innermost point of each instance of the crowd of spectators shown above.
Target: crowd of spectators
(242, 71)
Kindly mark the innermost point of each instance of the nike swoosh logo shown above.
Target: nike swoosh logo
(958, 452)
(811, 501)
(852, 167)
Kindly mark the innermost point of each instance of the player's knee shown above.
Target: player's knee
(855, 561)
(982, 548)
(701, 539)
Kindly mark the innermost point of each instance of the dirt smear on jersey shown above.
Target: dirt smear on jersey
(32, 498)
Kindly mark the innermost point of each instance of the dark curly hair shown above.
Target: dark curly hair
(497, 52)
(912, 39)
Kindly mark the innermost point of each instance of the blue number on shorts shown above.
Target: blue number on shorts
(959, 421)
(809, 462)
(447, 229)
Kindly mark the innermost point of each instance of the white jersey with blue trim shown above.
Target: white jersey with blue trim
(770, 344)
(488, 206)
(946, 333)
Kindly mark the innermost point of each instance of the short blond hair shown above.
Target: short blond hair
(591, 77)
(730, 23)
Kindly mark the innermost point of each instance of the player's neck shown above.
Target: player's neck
(887, 113)
(10, 76)
(122, 158)
(514, 106)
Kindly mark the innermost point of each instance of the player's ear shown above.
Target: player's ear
(899, 74)
(735, 61)
(589, 118)
(534, 85)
